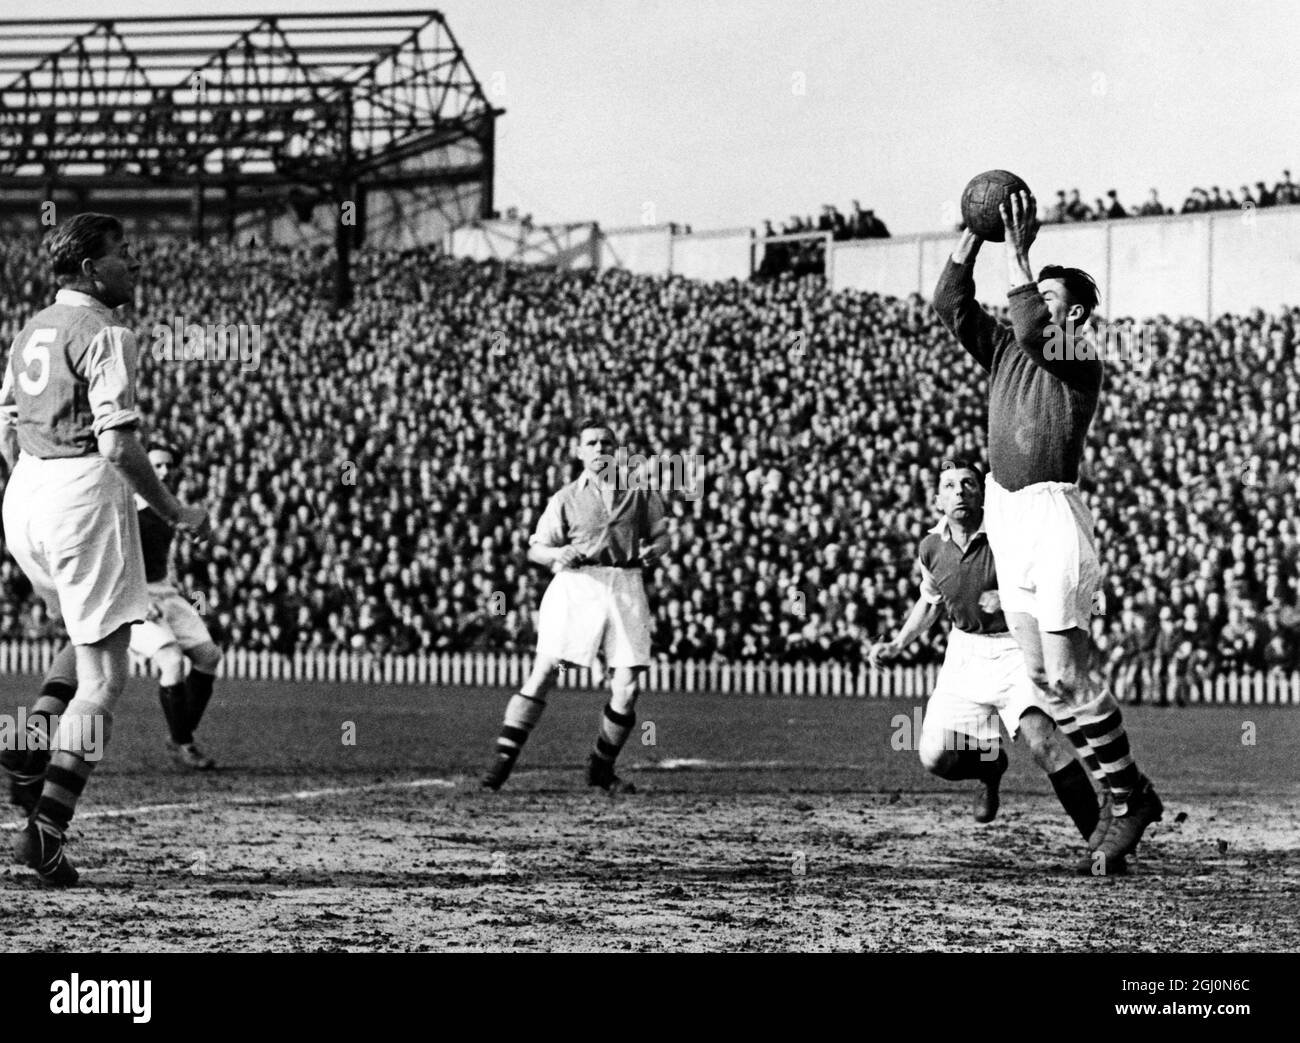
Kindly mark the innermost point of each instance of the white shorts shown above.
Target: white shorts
(177, 621)
(1045, 551)
(71, 525)
(595, 610)
(983, 678)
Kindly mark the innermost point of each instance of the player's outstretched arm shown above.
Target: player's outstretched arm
(923, 616)
(123, 450)
(955, 304)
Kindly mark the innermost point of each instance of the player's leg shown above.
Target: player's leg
(83, 734)
(523, 711)
(205, 661)
(1067, 658)
(1069, 780)
(153, 641)
(25, 765)
(959, 735)
(617, 721)
(570, 621)
(172, 696)
(956, 755)
(1026, 712)
(1024, 628)
(626, 641)
(192, 634)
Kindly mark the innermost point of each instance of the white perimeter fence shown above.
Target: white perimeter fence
(838, 680)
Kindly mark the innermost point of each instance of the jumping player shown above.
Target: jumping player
(983, 675)
(1041, 403)
(595, 537)
(172, 633)
(68, 433)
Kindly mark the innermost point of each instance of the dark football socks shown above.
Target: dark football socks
(1075, 792)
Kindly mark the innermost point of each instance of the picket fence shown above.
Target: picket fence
(510, 669)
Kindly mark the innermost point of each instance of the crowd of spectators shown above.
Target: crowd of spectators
(374, 480)
(808, 256)
(1071, 207)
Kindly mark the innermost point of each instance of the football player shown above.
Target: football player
(596, 535)
(68, 425)
(1041, 403)
(172, 633)
(983, 675)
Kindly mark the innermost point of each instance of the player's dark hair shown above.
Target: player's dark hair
(1079, 285)
(83, 237)
(962, 463)
(590, 421)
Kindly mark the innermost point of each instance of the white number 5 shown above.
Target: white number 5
(37, 351)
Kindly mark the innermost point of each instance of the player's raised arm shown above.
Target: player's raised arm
(1036, 333)
(955, 304)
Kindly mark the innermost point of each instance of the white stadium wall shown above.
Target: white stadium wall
(1160, 266)
(562, 246)
(1255, 260)
(714, 256)
(645, 250)
(891, 267)
(1200, 265)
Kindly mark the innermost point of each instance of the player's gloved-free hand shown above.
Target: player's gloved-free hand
(194, 521)
(990, 602)
(1020, 218)
(883, 652)
(567, 558)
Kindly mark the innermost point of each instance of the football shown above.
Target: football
(981, 199)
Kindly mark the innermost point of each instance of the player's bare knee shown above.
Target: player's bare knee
(937, 756)
(624, 687)
(171, 664)
(85, 727)
(1039, 736)
(205, 657)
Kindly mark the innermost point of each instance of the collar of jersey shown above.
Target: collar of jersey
(941, 529)
(77, 299)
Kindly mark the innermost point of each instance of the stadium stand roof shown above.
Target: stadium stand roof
(326, 106)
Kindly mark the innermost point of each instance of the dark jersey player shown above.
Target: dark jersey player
(983, 676)
(1041, 403)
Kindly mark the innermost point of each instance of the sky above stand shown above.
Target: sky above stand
(719, 113)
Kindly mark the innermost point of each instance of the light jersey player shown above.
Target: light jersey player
(173, 632)
(67, 430)
(983, 675)
(1041, 403)
(596, 534)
